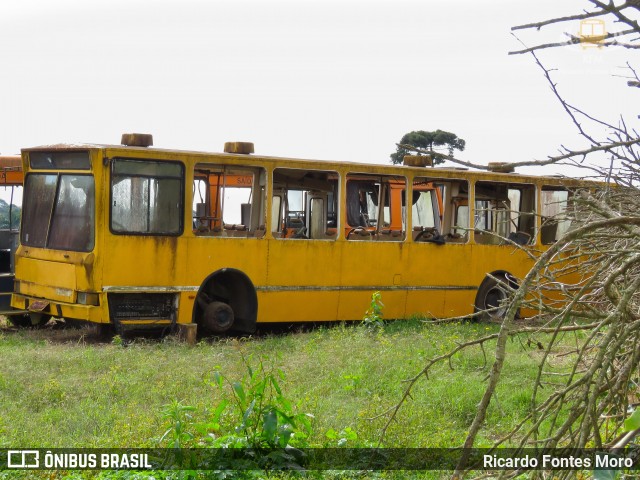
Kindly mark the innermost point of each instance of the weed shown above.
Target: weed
(263, 416)
(373, 316)
(352, 382)
(346, 435)
(180, 419)
(252, 414)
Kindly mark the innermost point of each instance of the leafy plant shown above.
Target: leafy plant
(180, 419)
(352, 382)
(373, 318)
(345, 435)
(263, 416)
(633, 422)
(253, 415)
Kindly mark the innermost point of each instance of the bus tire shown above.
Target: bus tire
(218, 317)
(491, 302)
(226, 301)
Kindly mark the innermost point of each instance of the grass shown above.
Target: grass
(61, 388)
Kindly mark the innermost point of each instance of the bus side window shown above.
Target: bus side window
(200, 202)
(229, 201)
(439, 210)
(276, 208)
(374, 207)
(426, 224)
(554, 221)
(305, 209)
(461, 221)
(504, 211)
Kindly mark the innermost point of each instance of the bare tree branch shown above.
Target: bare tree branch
(549, 161)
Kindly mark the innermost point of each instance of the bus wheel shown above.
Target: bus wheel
(217, 317)
(492, 297)
(226, 301)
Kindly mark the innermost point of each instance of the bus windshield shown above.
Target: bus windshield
(59, 213)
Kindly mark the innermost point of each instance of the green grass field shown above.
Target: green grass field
(63, 388)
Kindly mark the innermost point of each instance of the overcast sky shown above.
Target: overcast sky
(339, 80)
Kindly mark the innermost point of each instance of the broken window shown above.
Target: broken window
(303, 204)
(504, 211)
(554, 221)
(440, 210)
(228, 201)
(374, 209)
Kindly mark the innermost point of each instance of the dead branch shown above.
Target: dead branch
(530, 163)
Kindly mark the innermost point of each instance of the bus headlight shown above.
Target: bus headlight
(88, 298)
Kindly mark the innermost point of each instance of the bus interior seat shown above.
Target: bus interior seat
(233, 230)
(388, 235)
(427, 234)
(456, 237)
(360, 233)
(260, 231)
(521, 238)
(549, 231)
(486, 238)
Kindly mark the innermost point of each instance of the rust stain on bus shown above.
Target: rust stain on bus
(166, 248)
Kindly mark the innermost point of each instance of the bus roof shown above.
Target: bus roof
(10, 161)
(448, 171)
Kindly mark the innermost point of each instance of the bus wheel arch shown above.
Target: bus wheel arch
(489, 303)
(226, 300)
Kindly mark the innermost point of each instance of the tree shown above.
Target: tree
(426, 141)
(590, 406)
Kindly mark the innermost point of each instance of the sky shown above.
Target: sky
(321, 79)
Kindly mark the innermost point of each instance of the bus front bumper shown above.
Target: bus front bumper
(88, 313)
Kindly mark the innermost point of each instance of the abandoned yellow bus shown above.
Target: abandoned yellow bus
(131, 236)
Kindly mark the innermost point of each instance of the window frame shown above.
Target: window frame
(52, 210)
(562, 224)
(180, 229)
(57, 156)
(514, 216)
(307, 194)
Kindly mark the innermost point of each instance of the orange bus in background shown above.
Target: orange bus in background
(10, 206)
(131, 236)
